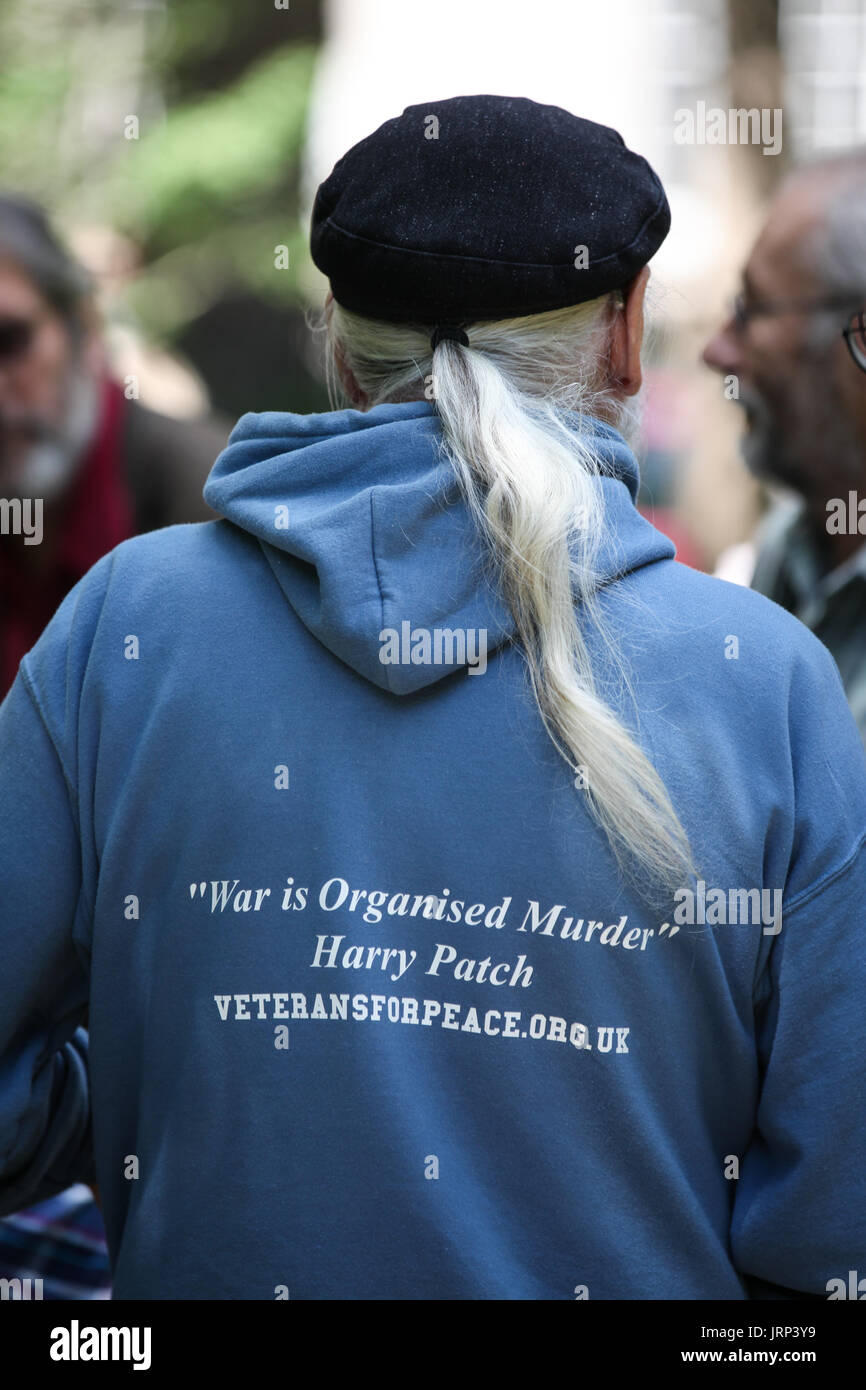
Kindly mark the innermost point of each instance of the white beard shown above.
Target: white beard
(52, 462)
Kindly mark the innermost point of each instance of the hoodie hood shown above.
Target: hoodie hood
(361, 517)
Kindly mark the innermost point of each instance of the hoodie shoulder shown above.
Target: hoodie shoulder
(160, 571)
(729, 657)
(708, 604)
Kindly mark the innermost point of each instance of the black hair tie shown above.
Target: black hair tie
(448, 333)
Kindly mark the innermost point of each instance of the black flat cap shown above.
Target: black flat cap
(484, 207)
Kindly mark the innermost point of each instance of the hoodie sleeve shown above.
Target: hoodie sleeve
(799, 1215)
(45, 1132)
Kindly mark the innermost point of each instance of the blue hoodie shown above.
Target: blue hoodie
(372, 1012)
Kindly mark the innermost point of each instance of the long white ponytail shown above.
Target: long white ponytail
(529, 479)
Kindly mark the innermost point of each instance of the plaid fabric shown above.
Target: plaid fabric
(789, 571)
(60, 1241)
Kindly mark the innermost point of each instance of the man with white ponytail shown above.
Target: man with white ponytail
(450, 948)
(530, 477)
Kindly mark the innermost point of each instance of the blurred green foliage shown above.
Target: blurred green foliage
(216, 156)
(213, 187)
(209, 187)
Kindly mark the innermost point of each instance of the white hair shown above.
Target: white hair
(835, 245)
(510, 407)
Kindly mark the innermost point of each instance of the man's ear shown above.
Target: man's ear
(626, 340)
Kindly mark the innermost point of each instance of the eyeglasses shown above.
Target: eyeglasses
(16, 336)
(743, 311)
(855, 338)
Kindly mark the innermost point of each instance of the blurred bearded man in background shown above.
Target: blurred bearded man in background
(82, 468)
(103, 467)
(796, 342)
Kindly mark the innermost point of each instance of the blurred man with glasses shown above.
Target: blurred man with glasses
(102, 468)
(796, 343)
